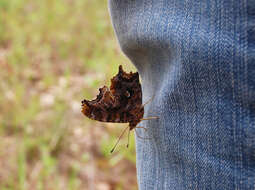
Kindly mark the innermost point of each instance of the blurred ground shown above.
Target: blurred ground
(53, 54)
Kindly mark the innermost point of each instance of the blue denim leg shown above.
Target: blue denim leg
(198, 59)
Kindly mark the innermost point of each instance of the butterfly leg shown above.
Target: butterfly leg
(149, 118)
(142, 128)
(148, 101)
(145, 138)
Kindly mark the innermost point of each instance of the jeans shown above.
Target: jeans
(197, 59)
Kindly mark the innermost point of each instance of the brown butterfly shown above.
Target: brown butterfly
(121, 104)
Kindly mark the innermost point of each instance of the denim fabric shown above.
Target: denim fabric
(198, 59)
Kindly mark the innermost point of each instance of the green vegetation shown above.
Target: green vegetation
(53, 54)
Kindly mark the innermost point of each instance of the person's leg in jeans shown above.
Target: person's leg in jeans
(198, 59)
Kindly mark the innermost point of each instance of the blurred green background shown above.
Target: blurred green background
(53, 54)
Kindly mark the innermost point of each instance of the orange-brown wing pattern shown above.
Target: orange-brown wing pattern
(121, 104)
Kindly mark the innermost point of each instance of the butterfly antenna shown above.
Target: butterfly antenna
(119, 139)
(128, 137)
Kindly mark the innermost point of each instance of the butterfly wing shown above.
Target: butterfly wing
(103, 108)
(121, 104)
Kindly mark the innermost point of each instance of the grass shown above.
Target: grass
(53, 54)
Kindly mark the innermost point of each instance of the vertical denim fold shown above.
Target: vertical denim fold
(198, 59)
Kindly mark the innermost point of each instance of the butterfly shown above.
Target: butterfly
(122, 103)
